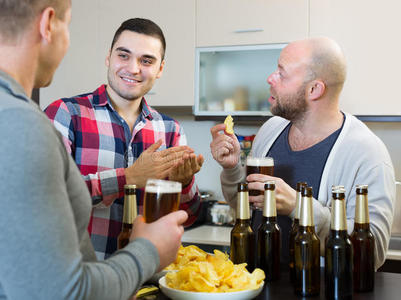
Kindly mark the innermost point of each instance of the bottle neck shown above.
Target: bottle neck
(338, 233)
(243, 222)
(362, 209)
(298, 205)
(361, 227)
(130, 210)
(306, 214)
(338, 216)
(243, 206)
(306, 229)
(126, 227)
(269, 219)
(269, 205)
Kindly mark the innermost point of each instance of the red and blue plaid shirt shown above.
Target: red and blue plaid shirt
(102, 145)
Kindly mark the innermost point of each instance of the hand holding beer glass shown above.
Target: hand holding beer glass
(161, 198)
(259, 165)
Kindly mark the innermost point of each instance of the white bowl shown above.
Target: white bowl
(184, 295)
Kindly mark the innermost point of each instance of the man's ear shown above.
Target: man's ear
(316, 89)
(161, 69)
(107, 60)
(46, 23)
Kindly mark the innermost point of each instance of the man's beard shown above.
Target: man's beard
(129, 96)
(290, 107)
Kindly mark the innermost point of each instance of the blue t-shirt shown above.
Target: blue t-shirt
(295, 166)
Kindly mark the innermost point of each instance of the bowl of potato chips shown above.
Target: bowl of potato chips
(199, 275)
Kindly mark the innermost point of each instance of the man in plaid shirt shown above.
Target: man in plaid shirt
(113, 134)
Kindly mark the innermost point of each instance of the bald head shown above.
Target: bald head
(326, 62)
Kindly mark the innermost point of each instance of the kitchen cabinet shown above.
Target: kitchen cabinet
(92, 28)
(368, 32)
(225, 85)
(251, 22)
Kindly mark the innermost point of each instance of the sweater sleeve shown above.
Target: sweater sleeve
(45, 214)
(229, 181)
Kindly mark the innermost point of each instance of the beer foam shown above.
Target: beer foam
(163, 186)
(260, 161)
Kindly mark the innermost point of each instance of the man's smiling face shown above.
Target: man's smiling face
(134, 64)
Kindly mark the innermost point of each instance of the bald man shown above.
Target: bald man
(312, 140)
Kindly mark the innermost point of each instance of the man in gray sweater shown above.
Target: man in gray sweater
(312, 140)
(45, 250)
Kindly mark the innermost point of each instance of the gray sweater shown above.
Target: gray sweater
(357, 157)
(45, 250)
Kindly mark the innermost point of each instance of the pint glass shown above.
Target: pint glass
(259, 165)
(161, 198)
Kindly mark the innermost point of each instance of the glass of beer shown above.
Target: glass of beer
(161, 198)
(259, 165)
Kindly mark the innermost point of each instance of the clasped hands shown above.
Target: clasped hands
(178, 163)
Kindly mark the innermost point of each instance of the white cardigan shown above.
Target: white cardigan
(357, 157)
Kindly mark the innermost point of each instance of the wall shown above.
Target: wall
(199, 138)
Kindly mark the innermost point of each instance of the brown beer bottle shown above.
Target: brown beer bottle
(242, 237)
(295, 228)
(307, 250)
(364, 244)
(269, 236)
(129, 215)
(339, 253)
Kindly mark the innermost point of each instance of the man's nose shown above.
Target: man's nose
(134, 66)
(272, 78)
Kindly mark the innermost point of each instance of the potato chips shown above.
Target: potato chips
(229, 125)
(216, 273)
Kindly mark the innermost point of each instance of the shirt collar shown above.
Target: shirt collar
(101, 98)
(9, 83)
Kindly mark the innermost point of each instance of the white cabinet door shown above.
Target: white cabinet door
(247, 22)
(81, 70)
(93, 25)
(369, 33)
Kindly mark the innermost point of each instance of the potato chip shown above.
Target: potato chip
(229, 125)
(198, 271)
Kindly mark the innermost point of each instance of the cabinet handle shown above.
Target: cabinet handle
(248, 30)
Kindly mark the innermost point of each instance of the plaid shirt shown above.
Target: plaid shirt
(102, 145)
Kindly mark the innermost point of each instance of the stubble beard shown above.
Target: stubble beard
(129, 96)
(292, 107)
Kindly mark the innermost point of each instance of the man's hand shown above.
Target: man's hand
(185, 169)
(154, 164)
(165, 234)
(285, 195)
(225, 147)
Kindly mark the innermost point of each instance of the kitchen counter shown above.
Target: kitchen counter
(208, 235)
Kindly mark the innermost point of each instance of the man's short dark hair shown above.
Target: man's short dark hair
(17, 15)
(143, 26)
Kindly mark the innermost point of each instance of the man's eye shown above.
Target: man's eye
(147, 61)
(123, 56)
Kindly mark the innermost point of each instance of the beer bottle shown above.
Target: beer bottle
(242, 237)
(364, 244)
(129, 215)
(307, 250)
(339, 253)
(269, 236)
(295, 228)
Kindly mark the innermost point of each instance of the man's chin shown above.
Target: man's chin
(42, 82)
